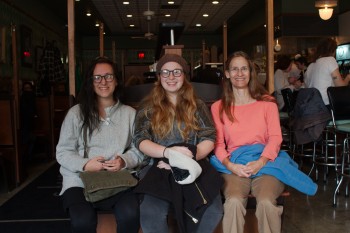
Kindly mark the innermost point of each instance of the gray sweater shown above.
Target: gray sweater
(114, 137)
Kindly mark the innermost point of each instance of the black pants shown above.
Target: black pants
(83, 214)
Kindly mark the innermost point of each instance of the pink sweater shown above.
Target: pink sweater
(255, 123)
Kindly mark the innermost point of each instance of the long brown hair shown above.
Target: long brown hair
(164, 114)
(256, 90)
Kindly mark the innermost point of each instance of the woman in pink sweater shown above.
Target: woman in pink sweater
(247, 115)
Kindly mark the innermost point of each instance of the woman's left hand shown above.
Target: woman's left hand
(114, 164)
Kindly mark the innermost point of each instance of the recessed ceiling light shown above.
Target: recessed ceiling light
(131, 25)
(129, 16)
(167, 15)
(97, 24)
(198, 25)
(126, 3)
(205, 15)
(77, 0)
(171, 2)
(215, 2)
(88, 13)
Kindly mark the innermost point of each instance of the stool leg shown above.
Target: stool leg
(313, 161)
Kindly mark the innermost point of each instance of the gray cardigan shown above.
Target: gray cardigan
(114, 137)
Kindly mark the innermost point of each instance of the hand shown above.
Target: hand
(182, 149)
(163, 165)
(297, 84)
(239, 170)
(254, 167)
(292, 80)
(94, 164)
(114, 165)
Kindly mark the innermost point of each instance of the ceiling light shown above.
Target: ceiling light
(88, 13)
(215, 2)
(167, 15)
(129, 16)
(97, 24)
(198, 25)
(126, 3)
(205, 15)
(325, 8)
(131, 25)
(171, 2)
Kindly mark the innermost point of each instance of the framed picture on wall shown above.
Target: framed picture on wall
(26, 46)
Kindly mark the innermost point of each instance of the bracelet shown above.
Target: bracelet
(164, 152)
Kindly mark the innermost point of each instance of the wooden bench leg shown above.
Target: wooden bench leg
(106, 223)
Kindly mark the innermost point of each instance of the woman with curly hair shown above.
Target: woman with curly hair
(176, 131)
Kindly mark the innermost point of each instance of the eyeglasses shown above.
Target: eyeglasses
(107, 77)
(243, 69)
(166, 73)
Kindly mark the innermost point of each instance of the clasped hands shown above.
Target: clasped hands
(99, 163)
(247, 170)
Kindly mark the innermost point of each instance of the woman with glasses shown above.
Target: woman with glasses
(247, 115)
(175, 130)
(105, 125)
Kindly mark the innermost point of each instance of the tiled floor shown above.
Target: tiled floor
(302, 214)
(306, 214)
(33, 171)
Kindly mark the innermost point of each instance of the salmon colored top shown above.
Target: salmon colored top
(254, 123)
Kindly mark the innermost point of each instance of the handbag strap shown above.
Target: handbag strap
(85, 141)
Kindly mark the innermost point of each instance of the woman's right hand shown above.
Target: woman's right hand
(94, 164)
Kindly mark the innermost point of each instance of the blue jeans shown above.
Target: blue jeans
(154, 212)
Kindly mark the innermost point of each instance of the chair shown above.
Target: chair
(289, 103)
(339, 99)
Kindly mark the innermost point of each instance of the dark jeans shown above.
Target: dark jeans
(154, 212)
(83, 214)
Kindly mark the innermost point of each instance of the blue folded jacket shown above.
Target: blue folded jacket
(283, 168)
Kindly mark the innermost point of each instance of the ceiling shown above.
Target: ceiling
(113, 13)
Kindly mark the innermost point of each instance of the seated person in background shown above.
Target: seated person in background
(284, 78)
(324, 71)
(172, 124)
(247, 149)
(301, 63)
(108, 125)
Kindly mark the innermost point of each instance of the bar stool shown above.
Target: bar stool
(309, 119)
(339, 99)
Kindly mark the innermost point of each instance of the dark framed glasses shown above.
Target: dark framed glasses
(166, 73)
(106, 77)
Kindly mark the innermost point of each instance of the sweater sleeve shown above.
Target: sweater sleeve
(220, 145)
(274, 133)
(67, 150)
